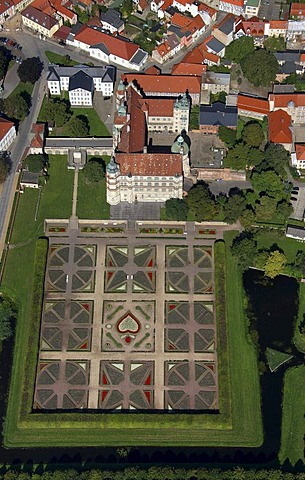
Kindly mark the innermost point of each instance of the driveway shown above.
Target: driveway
(299, 204)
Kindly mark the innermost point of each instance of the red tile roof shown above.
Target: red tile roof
(180, 20)
(115, 46)
(38, 130)
(300, 151)
(281, 100)
(62, 33)
(157, 108)
(182, 68)
(279, 123)
(134, 131)
(145, 164)
(5, 126)
(253, 104)
(153, 70)
(297, 9)
(39, 17)
(278, 24)
(238, 3)
(6, 5)
(205, 8)
(164, 83)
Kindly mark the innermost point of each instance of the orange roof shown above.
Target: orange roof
(253, 104)
(5, 126)
(166, 4)
(195, 24)
(279, 123)
(205, 8)
(281, 100)
(196, 69)
(237, 3)
(144, 164)
(153, 70)
(38, 130)
(180, 20)
(132, 138)
(300, 151)
(164, 83)
(115, 46)
(5, 5)
(278, 24)
(201, 55)
(302, 57)
(297, 9)
(185, 2)
(157, 108)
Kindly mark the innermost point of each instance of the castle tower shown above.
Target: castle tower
(180, 146)
(120, 93)
(181, 113)
(113, 177)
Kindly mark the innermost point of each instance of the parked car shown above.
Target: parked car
(293, 199)
(18, 59)
(19, 47)
(296, 188)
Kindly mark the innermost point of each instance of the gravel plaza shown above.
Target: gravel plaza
(128, 318)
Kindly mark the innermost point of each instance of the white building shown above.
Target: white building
(81, 82)
(232, 6)
(7, 134)
(40, 22)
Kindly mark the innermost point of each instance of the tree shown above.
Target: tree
(201, 203)
(227, 135)
(253, 134)
(58, 111)
(244, 249)
(4, 168)
(4, 61)
(30, 70)
(239, 49)
(268, 183)
(15, 106)
(275, 264)
(237, 157)
(266, 208)
(260, 67)
(275, 44)
(284, 209)
(247, 217)
(35, 163)
(255, 157)
(176, 209)
(94, 170)
(126, 8)
(7, 316)
(78, 126)
(234, 207)
(276, 159)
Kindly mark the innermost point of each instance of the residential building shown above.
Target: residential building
(40, 22)
(81, 81)
(252, 27)
(297, 11)
(207, 13)
(224, 30)
(291, 103)
(29, 180)
(143, 177)
(252, 8)
(7, 134)
(200, 55)
(232, 6)
(167, 49)
(215, 82)
(276, 28)
(108, 48)
(211, 117)
(189, 69)
(298, 233)
(295, 29)
(215, 46)
(253, 107)
(168, 115)
(112, 21)
(298, 156)
(165, 85)
(279, 128)
(37, 138)
(8, 8)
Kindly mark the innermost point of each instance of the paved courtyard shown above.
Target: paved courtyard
(128, 319)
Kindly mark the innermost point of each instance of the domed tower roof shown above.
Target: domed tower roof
(112, 167)
(121, 87)
(180, 144)
(291, 104)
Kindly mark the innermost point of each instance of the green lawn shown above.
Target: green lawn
(23, 87)
(91, 199)
(288, 245)
(293, 422)
(298, 338)
(60, 59)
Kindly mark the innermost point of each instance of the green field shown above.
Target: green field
(60, 59)
(23, 87)
(293, 422)
(91, 199)
(238, 424)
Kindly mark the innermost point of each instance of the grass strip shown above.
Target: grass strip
(299, 338)
(293, 422)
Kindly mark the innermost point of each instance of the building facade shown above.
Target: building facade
(7, 134)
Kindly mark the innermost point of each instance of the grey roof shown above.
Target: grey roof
(287, 56)
(139, 57)
(39, 17)
(227, 26)
(75, 28)
(283, 88)
(112, 17)
(105, 72)
(178, 31)
(216, 78)
(62, 142)
(29, 177)
(290, 67)
(81, 80)
(215, 45)
(102, 47)
(173, 41)
(297, 232)
(218, 114)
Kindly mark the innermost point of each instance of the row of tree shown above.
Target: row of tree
(157, 473)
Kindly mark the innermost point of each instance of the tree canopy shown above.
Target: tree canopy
(4, 61)
(239, 49)
(78, 126)
(244, 249)
(176, 209)
(15, 106)
(35, 163)
(30, 70)
(7, 317)
(275, 44)
(58, 111)
(4, 168)
(201, 203)
(227, 135)
(275, 264)
(260, 67)
(253, 134)
(94, 170)
(268, 183)
(237, 157)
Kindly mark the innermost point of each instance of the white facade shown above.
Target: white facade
(7, 140)
(231, 8)
(80, 96)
